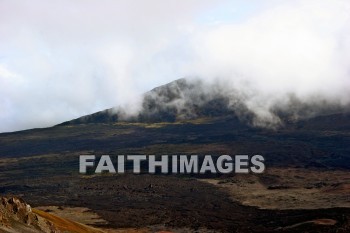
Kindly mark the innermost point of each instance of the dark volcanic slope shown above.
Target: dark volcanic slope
(192, 117)
(304, 143)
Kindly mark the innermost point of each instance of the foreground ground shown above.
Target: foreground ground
(305, 186)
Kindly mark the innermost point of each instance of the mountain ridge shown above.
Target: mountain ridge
(188, 99)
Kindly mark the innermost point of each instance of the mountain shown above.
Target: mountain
(189, 99)
(304, 188)
(179, 100)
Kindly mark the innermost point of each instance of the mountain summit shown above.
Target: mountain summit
(182, 99)
(188, 99)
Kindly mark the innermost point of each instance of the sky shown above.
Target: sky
(60, 60)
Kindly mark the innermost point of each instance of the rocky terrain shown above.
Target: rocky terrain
(18, 216)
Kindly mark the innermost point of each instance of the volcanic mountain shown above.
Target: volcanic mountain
(306, 150)
(176, 101)
(190, 99)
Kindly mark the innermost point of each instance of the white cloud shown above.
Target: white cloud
(60, 60)
(298, 47)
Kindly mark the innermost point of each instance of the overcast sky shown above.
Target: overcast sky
(63, 59)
